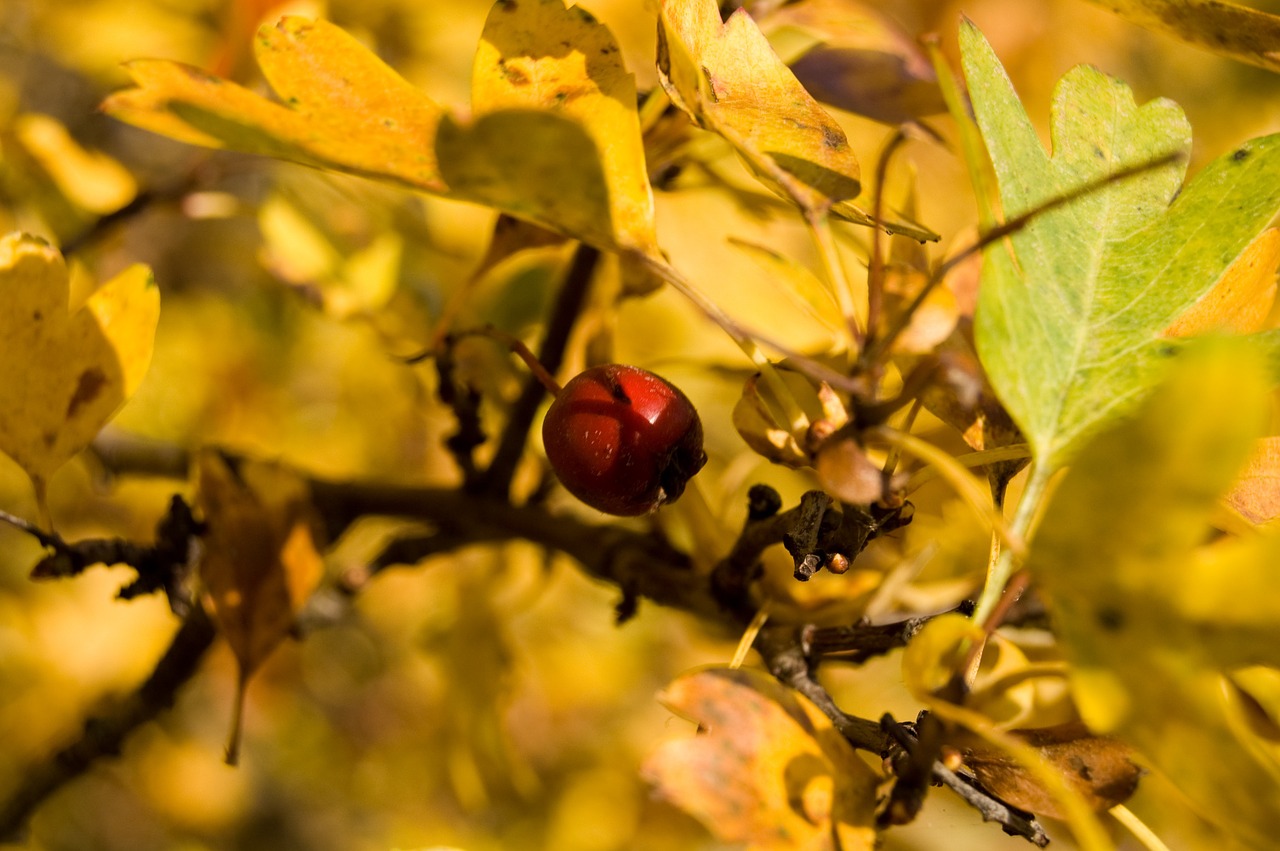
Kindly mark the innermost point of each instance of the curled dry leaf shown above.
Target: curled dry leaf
(769, 770)
(260, 560)
(861, 61)
(770, 435)
(845, 472)
(67, 370)
(1100, 768)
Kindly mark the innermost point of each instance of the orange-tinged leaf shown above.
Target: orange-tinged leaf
(1100, 768)
(727, 77)
(1256, 492)
(260, 559)
(538, 55)
(1241, 299)
(343, 107)
(769, 770)
(67, 372)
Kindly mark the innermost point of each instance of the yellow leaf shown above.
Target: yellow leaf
(1241, 299)
(539, 55)
(727, 77)
(1236, 31)
(554, 137)
(1150, 620)
(91, 180)
(260, 560)
(770, 770)
(67, 372)
(343, 107)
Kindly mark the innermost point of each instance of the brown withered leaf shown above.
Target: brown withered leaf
(1100, 768)
(260, 559)
(769, 770)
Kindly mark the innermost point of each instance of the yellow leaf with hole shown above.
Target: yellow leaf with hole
(260, 561)
(1152, 620)
(1248, 35)
(1241, 299)
(770, 770)
(67, 371)
(728, 79)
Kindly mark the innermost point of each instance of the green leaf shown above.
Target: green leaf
(1150, 618)
(1073, 307)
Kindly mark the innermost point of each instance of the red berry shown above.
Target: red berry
(623, 440)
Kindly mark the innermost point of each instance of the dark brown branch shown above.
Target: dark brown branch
(1011, 820)
(161, 566)
(783, 654)
(496, 480)
(105, 732)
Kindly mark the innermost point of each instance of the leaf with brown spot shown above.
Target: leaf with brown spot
(1100, 768)
(728, 79)
(769, 770)
(67, 371)
(260, 560)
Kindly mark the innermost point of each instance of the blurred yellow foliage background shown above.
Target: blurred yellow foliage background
(483, 700)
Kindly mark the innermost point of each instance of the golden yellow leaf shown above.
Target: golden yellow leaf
(1237, 31)
(91, 180)
(554, 136)
(1241, 299)
(769, 770)
(67, 371)
(728, 79)
(260, 559)
(522, 62)
(343, 107)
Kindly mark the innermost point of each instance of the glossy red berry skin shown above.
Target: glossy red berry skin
(623, 440)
